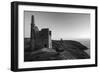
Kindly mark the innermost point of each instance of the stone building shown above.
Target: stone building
(45, 38)
(40, 39)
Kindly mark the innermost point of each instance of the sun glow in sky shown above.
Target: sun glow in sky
(63, 25)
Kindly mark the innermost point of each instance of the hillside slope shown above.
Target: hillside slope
(61, 50)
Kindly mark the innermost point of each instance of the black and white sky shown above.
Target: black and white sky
(67, 26)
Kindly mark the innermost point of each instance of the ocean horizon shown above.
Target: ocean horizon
(85, 42)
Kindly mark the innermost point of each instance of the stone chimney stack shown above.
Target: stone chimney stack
(32, 21)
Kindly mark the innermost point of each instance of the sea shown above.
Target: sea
(85, 42)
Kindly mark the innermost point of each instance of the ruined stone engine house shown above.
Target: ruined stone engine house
(40, 39)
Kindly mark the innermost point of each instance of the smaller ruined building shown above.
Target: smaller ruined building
(40, 38)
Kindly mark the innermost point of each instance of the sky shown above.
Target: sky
(67, 26)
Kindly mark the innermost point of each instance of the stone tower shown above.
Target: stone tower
(34, 35)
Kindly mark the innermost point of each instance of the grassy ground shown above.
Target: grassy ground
(61, 50)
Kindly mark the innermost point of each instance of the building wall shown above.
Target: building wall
(50, 40)
(40, 39)
(45, 38)
(34, 38)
